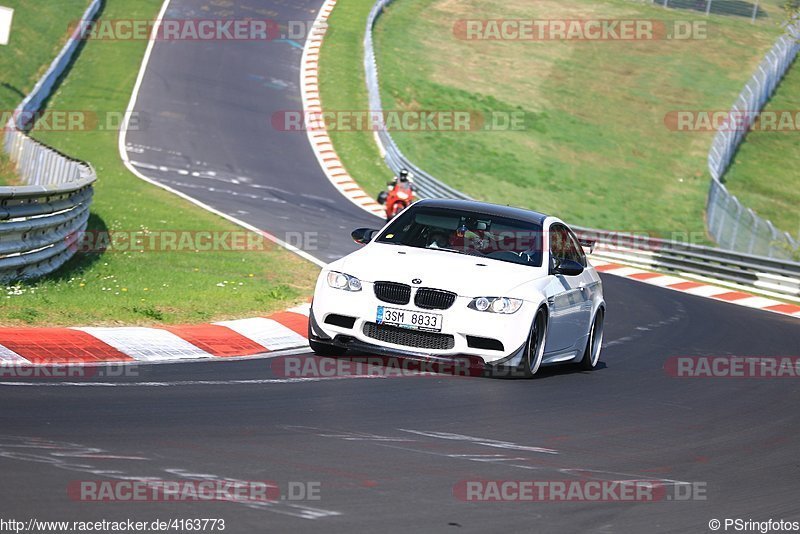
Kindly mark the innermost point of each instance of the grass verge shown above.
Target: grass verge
(8, 173)
(595, 148)
(129, 287)
(36, 36)
(764, 174)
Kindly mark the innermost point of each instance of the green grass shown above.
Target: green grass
(594, 149)
(38, 32)
(36, 36)
(765, 173)
(143, 287)
(8, 174)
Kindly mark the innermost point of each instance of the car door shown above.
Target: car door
(587, 285)
(565, 298)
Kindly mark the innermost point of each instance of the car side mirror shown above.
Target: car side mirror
(362, 236)
(588, 244)
(568, 268)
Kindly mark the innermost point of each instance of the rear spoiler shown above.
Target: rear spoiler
(587, 243)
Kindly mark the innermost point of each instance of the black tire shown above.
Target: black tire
(323, 349)
(591, 355)
(534, 348)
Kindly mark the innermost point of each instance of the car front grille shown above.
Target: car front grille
(434, 299)
(409, 338)
(393, 292)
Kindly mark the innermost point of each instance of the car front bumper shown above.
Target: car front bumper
(464, 324)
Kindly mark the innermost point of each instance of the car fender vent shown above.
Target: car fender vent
(484, 343)
(340, 320)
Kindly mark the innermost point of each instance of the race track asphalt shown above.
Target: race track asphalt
(207, 127)
(387, 453)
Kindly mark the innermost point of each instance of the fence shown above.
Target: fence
(426, 185)
(738, 8)
(732, 225)
(776, 276)
(41, 219)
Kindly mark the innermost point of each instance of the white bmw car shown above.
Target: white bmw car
(452, 278)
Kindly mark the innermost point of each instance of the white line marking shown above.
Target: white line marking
(123, 132)
(73, 450)
(263, 356)
(480, 441)
(189, 382)
(634, 477)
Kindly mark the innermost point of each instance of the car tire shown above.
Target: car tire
(534, 347)
(591, 355)
(323, 349)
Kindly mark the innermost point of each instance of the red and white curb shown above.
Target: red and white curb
(318, 134)
(697, 288)
(227, 339)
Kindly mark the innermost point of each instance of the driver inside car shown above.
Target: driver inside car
(439, 239)
(472, 235)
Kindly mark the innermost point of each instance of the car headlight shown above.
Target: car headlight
(343, 281)
(496, 304)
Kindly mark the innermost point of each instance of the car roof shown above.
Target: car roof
(484, 208)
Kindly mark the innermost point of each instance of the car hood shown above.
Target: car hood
(468, 276)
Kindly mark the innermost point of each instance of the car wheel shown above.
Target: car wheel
(323, 349)
(534, 348)
(591, 355)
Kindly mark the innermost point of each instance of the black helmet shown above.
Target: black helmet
(403, 175)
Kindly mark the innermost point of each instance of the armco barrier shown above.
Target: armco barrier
(41, 219)
(426, 185)
(776, 276)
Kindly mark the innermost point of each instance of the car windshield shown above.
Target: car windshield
(467, 232)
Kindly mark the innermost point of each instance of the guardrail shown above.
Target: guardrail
(41, 219)
(426, 185)
(769, 275)
(730, 223)
(774, 276)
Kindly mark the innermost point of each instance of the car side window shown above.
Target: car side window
(564, 246)
(556, 242)
(559, 242)
(575, 245)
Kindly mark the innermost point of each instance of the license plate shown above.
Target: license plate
(430, 322)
